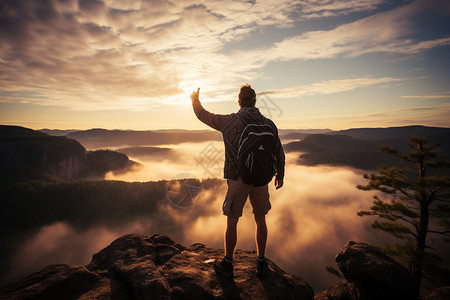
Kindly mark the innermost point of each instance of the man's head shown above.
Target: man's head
(247, 96)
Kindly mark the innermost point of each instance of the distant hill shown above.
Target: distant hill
(295, 134)
(341, 150)
(361, 148)
(57, 132)
(356, 147)
(392, 132)
(103, 138)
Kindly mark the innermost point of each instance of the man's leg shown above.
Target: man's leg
(225, 266)
(261, 234)
(233, 205)
(231, 236)
(261, 239)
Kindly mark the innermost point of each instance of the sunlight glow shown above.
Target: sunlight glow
(188, 88)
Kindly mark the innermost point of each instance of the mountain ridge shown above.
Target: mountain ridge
(361, 150)
(390, 132)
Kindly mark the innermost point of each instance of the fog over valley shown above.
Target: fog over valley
(312, 217)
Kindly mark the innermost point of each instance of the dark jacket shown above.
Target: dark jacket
(231, 126)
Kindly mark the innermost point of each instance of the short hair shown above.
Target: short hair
(247, 96)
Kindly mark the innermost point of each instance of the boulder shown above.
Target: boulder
(342, 290)
(374, 274)
(140, 267)
(63, 282)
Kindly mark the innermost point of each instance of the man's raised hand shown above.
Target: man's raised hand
(195, 95)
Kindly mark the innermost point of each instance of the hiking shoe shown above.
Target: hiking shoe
(261, 267)
(224, 268)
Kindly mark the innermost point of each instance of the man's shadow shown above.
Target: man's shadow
(229, 288)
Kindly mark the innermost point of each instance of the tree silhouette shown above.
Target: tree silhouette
(419, 202)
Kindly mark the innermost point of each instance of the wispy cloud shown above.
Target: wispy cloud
(431, 96)
(320, 8)
(425, 115)
(330, 87)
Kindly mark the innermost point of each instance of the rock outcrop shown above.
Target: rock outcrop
(140, 267)
(30, 154)
(102, 161)
(370, 274)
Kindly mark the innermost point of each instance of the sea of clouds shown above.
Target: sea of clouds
(312, 217)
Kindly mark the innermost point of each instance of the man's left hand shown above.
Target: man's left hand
(278, 183)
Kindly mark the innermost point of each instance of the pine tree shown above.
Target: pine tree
(419, 202)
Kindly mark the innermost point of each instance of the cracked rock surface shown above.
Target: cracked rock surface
(140, 267)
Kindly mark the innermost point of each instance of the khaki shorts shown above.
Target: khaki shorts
(237, 195)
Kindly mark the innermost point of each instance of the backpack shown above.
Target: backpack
(256, 159)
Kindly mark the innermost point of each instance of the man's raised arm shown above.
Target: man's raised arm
(218, 122)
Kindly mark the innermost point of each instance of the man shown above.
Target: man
(231, 126)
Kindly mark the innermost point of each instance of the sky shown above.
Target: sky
(131, 64)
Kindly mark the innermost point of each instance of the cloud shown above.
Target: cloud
(136, 55)
(200, 160)
(320, 8)
(431, 96)
(382, 32)
(330, 87)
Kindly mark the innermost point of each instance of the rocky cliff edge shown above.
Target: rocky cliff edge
(140, 267)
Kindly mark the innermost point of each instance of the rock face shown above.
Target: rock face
(24, 150)
(140, 267)
(69, 168)
(369, 274)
